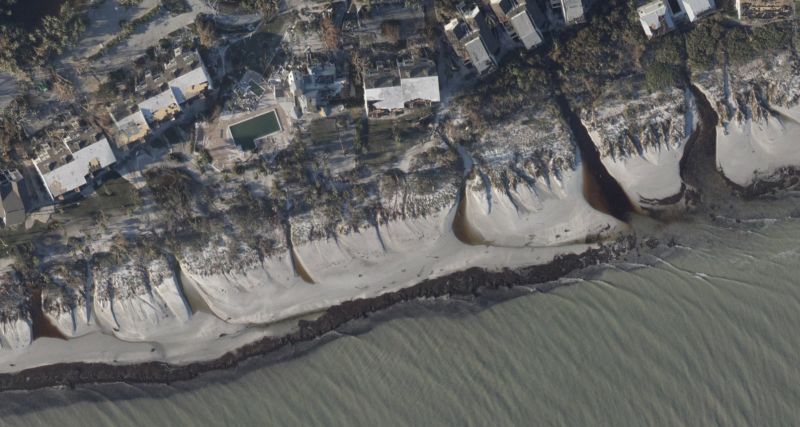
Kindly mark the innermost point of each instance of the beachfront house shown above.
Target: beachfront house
(572, 11)
(161, 107)
(661, 16)
(473, 41)
(68, 165)
(191, 81)
(518, 18)
(764, 10)
(697, 8)
(656, 18)
(390, 86)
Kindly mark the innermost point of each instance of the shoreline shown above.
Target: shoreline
(468, 282)
(704, 187)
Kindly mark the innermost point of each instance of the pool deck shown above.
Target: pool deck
(217, 138)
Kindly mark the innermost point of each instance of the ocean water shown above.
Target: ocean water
(705, 333)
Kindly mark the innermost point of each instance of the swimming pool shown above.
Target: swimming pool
(246, 132)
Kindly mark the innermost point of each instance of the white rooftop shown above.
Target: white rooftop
(132, 128)
(190, 85)
(164, 101)
(572, 9)
(695, 8)
(481, 58)
(73, 174)
(395, 97)
(651, 15)
(526, 31)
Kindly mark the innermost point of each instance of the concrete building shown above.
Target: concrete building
(572, 11)
(161, 107)
(392, 86)
(519, 21)
(661, 16)
(130, 129)
(314, 84)
(185, 87)
(656, 18)
(697, 8)
(473, 41)
(66, 167)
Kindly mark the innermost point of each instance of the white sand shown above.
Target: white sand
(358, 265)
(546, 214)
(751, 150)
(654, 173)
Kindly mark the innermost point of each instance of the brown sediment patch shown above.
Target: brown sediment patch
(600, 189)
(699, 163)
(592, 191)
(300, 269)
(698, 166)
(41, 326)
(194, 296)
(464, 231)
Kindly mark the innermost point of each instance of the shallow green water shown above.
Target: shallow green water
(707, 335)
(246, 132)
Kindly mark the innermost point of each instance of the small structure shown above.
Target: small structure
(519, 22)
(571, 10)
(64, 169)
(473, 41)
(391, 87)
(764, 10)
(697, 8)
(656, 18)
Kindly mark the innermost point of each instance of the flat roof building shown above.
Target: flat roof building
(571, 10)
(191, 84)
(391, 87)
(160, 107)
(64, 170)
(697, 8)
(518, 21)
(656, 18)
(473, 41)
(131, 128)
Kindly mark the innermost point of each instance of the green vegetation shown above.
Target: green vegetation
(505, 92)
(388, 139)
(663, 62)
(255, 52)
(607, 48)
(741, 43)
(22, 46)
(268, 8)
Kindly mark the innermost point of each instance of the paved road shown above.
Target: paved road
(149, 35)
(104, 25)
